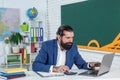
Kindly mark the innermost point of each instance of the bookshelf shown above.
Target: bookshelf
(32, 41)
(36, 37)
(31, 44)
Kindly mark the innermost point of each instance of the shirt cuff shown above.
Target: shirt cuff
(51, 68)
(88, 66)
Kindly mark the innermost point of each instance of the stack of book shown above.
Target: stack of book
(11, 73)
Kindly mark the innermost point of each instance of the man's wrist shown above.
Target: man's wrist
(54, 69)
(88, 65)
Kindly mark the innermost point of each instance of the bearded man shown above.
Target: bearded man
(59, 55)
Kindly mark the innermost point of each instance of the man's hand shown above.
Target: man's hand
(62, 68)
(94, 64)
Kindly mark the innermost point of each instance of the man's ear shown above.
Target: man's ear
(59, 37)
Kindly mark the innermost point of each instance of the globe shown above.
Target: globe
(32, 13)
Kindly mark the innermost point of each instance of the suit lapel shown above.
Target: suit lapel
(55, 50)
(68, 57)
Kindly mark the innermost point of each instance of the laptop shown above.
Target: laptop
(104, 68)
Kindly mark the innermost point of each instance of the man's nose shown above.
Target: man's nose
(70, 40)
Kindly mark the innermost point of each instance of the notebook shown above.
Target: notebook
(49, 74)
(104, 68)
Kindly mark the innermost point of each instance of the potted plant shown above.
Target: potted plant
(15, 39)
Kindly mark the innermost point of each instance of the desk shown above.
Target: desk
(112, 75)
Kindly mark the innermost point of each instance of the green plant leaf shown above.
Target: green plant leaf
(16, 38)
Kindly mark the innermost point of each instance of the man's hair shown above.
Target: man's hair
(63, 28)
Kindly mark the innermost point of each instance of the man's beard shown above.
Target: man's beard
(67, 45)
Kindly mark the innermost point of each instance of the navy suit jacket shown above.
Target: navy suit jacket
(47, 56)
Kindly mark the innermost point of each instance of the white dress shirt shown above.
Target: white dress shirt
(61, 57)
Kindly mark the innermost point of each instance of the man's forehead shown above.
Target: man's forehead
(68, 33)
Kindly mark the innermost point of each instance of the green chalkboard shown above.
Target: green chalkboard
(93, 19)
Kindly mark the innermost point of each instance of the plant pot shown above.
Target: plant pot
(15, 49)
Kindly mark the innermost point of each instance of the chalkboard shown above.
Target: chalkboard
(93, 19)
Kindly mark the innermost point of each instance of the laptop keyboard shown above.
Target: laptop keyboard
(90, 72)
(93, 72)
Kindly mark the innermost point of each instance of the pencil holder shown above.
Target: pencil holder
(25, 27)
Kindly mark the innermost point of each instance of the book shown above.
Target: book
(50, 74)
(13, 59)
(32, 34)
(22, 52)
(41, 34)
(25, 53)
(11, 74)
(16, 76)
(7, 76)
(28, 58)
(37, 34)
(32, 47)
(13, 70)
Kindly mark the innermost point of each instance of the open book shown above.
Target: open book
(49, 74)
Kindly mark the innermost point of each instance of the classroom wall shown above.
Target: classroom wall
(23, 5)
(49, 12)
(54, 14)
